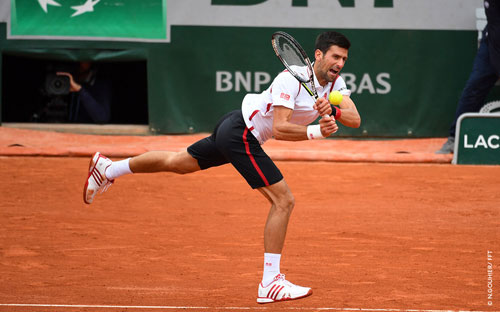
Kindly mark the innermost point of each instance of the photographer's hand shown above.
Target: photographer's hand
(73, 85)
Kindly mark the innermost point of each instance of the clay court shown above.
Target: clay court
(370, 235)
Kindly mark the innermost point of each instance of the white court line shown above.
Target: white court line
(24, 305)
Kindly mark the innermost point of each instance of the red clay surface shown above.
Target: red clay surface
(362, 235)
(44, 143)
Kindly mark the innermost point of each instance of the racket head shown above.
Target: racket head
(293, 57)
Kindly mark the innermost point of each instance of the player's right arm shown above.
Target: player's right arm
(285, 89)
(283, 129)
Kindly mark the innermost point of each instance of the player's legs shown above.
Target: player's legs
(200, 155)
(274, 286)
(237, 144)
(103, 171)
(282, 203)
(163, 161)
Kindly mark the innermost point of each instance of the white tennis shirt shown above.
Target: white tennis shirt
(258, 109)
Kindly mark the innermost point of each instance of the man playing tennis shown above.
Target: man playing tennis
(283, 111)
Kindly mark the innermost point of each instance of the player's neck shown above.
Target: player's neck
(322, 82)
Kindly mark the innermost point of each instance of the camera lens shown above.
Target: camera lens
(56, 84)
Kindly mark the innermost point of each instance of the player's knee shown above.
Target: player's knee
(169, 163)
(179, 163)
(286, 202)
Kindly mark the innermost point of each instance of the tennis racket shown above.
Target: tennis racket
(294, 58)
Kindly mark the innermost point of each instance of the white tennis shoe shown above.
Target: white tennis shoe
(96, 181)
(280, 290)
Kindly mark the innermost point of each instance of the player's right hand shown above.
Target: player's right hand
(328, 125)
(323, 107)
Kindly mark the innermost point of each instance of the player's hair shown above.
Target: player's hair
(329, 38)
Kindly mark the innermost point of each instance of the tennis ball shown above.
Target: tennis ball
(335, 97)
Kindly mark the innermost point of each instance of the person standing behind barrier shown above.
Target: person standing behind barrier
(485, 72)
(90, 100)
(284, 111)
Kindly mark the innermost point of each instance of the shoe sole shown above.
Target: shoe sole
(263, 300)
(91, 167)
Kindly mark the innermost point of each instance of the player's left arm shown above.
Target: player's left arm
(349, 113)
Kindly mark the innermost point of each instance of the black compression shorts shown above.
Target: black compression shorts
(232, 142)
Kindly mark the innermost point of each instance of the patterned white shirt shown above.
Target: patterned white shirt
(258, 109)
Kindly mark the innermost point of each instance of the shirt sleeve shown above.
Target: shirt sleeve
(284, 90)
(341, 86)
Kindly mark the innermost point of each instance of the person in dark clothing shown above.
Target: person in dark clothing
(485, 72)
(90, 95)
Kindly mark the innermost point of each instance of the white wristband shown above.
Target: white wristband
(314, 132)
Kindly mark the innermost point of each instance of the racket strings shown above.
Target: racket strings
(290, 53)
(292, 57)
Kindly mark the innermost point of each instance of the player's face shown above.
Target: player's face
(328, 65)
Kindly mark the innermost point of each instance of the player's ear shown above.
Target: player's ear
(318, 54)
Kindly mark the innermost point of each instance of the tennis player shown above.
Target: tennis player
(284, 111)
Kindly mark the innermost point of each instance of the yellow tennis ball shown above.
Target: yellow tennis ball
(335, 97)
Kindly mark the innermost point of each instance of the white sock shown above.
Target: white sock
(117, 169)
(271, 267)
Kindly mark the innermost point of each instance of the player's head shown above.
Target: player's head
(329, 38)
(330, 55)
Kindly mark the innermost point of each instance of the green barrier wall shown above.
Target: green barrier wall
(404, 82)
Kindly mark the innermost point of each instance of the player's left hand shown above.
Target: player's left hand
(323, 107)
